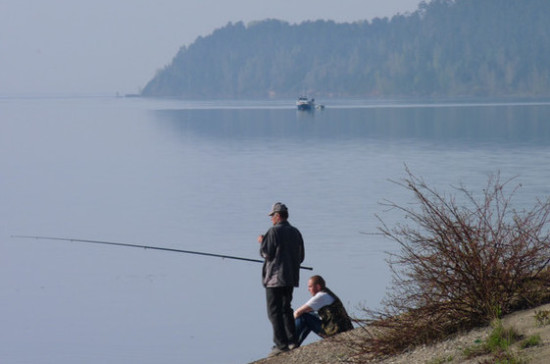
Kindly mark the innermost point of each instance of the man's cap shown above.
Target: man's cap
(278, 207)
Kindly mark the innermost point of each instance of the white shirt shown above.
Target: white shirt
(321, 299)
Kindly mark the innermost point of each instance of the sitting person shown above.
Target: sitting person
(324, 313)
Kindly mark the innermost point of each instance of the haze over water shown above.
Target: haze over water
(202, 176)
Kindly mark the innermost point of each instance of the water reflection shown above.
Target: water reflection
(516, 124)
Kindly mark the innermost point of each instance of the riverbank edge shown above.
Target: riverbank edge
(451, 351)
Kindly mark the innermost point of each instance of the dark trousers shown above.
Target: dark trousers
(280, 314)
(307, 323)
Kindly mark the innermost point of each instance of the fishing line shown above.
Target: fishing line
(131, 245)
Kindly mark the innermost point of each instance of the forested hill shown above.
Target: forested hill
(444, 48)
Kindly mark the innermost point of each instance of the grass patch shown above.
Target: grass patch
(501, 338)
(533, 340)
(440, 360)
(506, 358)
(497, 344)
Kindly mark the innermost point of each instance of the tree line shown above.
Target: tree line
(444, 48)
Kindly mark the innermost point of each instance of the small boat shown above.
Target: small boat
(303, 103)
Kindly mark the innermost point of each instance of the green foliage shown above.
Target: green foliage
(441, 360)
(500, 338)
(505, 358)
(444, 48)
(474, 350)
(497, 344)
(533, 340)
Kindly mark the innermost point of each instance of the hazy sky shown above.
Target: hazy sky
(109, 46)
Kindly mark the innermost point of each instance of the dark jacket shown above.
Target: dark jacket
(334, 318)
(283, 250)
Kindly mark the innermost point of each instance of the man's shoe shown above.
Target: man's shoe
(276, 351)
(293, 346)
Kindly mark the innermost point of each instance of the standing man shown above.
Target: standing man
(324, 313)
(282, 247)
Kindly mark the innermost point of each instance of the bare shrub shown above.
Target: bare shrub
(459, 265)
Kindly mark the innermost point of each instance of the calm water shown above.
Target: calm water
(202, 176)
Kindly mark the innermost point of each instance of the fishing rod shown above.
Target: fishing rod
(143, 247)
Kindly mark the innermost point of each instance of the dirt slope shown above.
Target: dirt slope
(451, 351)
